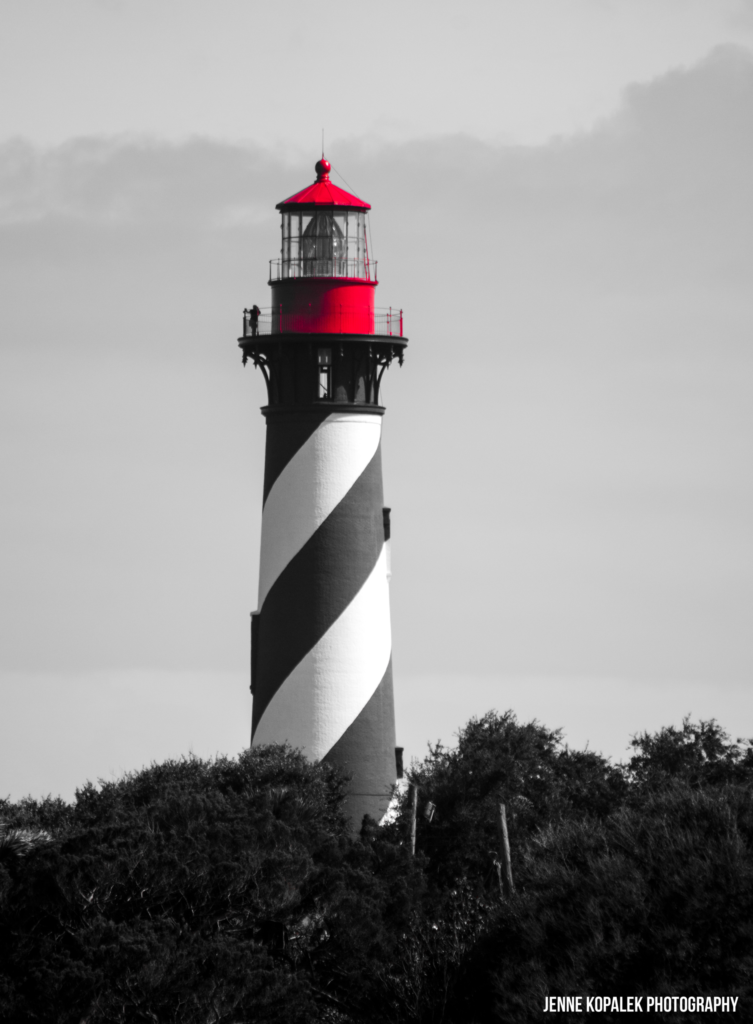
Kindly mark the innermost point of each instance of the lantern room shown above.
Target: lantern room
(322, 339)
(324, 279)
(324, 243)
(324, 233)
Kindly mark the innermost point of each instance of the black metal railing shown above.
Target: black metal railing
(344, 320)
(295, 267)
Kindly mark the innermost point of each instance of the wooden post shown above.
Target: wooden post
(505, 870)
(413, 812)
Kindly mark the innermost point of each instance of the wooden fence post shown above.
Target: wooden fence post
(413, 812)
(505, 867)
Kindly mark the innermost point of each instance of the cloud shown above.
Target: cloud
(571, 485)
(654, 197)
(687, 128)
(133, 181)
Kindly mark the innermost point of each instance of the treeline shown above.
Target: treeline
(228, 891)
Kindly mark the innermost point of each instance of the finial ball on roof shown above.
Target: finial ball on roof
(322, 167)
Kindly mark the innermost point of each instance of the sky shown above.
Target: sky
(561, 205)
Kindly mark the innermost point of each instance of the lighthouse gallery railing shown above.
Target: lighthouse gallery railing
(296, 267)
(343, 321)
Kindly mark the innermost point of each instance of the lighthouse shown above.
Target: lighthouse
(321, 642)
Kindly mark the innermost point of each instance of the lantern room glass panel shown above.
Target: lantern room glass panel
(324, 243)
(323, 246)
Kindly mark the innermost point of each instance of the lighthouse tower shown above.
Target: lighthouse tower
(321, 647)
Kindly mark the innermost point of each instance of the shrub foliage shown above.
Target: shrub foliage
(229, 891)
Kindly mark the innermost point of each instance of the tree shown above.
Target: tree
(656, 899)
(232, 890)
(168, 895)
(700, 753)
(525, 765)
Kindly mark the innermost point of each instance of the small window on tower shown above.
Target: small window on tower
(325, 373)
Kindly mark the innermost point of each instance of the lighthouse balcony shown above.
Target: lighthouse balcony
(340, 320)
(304, 370)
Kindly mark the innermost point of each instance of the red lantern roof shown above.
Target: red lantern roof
(323, 193)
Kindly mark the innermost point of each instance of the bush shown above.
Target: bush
(165, 895)
(233, 890)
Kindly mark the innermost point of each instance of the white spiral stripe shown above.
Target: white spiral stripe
(329, 688)
(311, 486)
